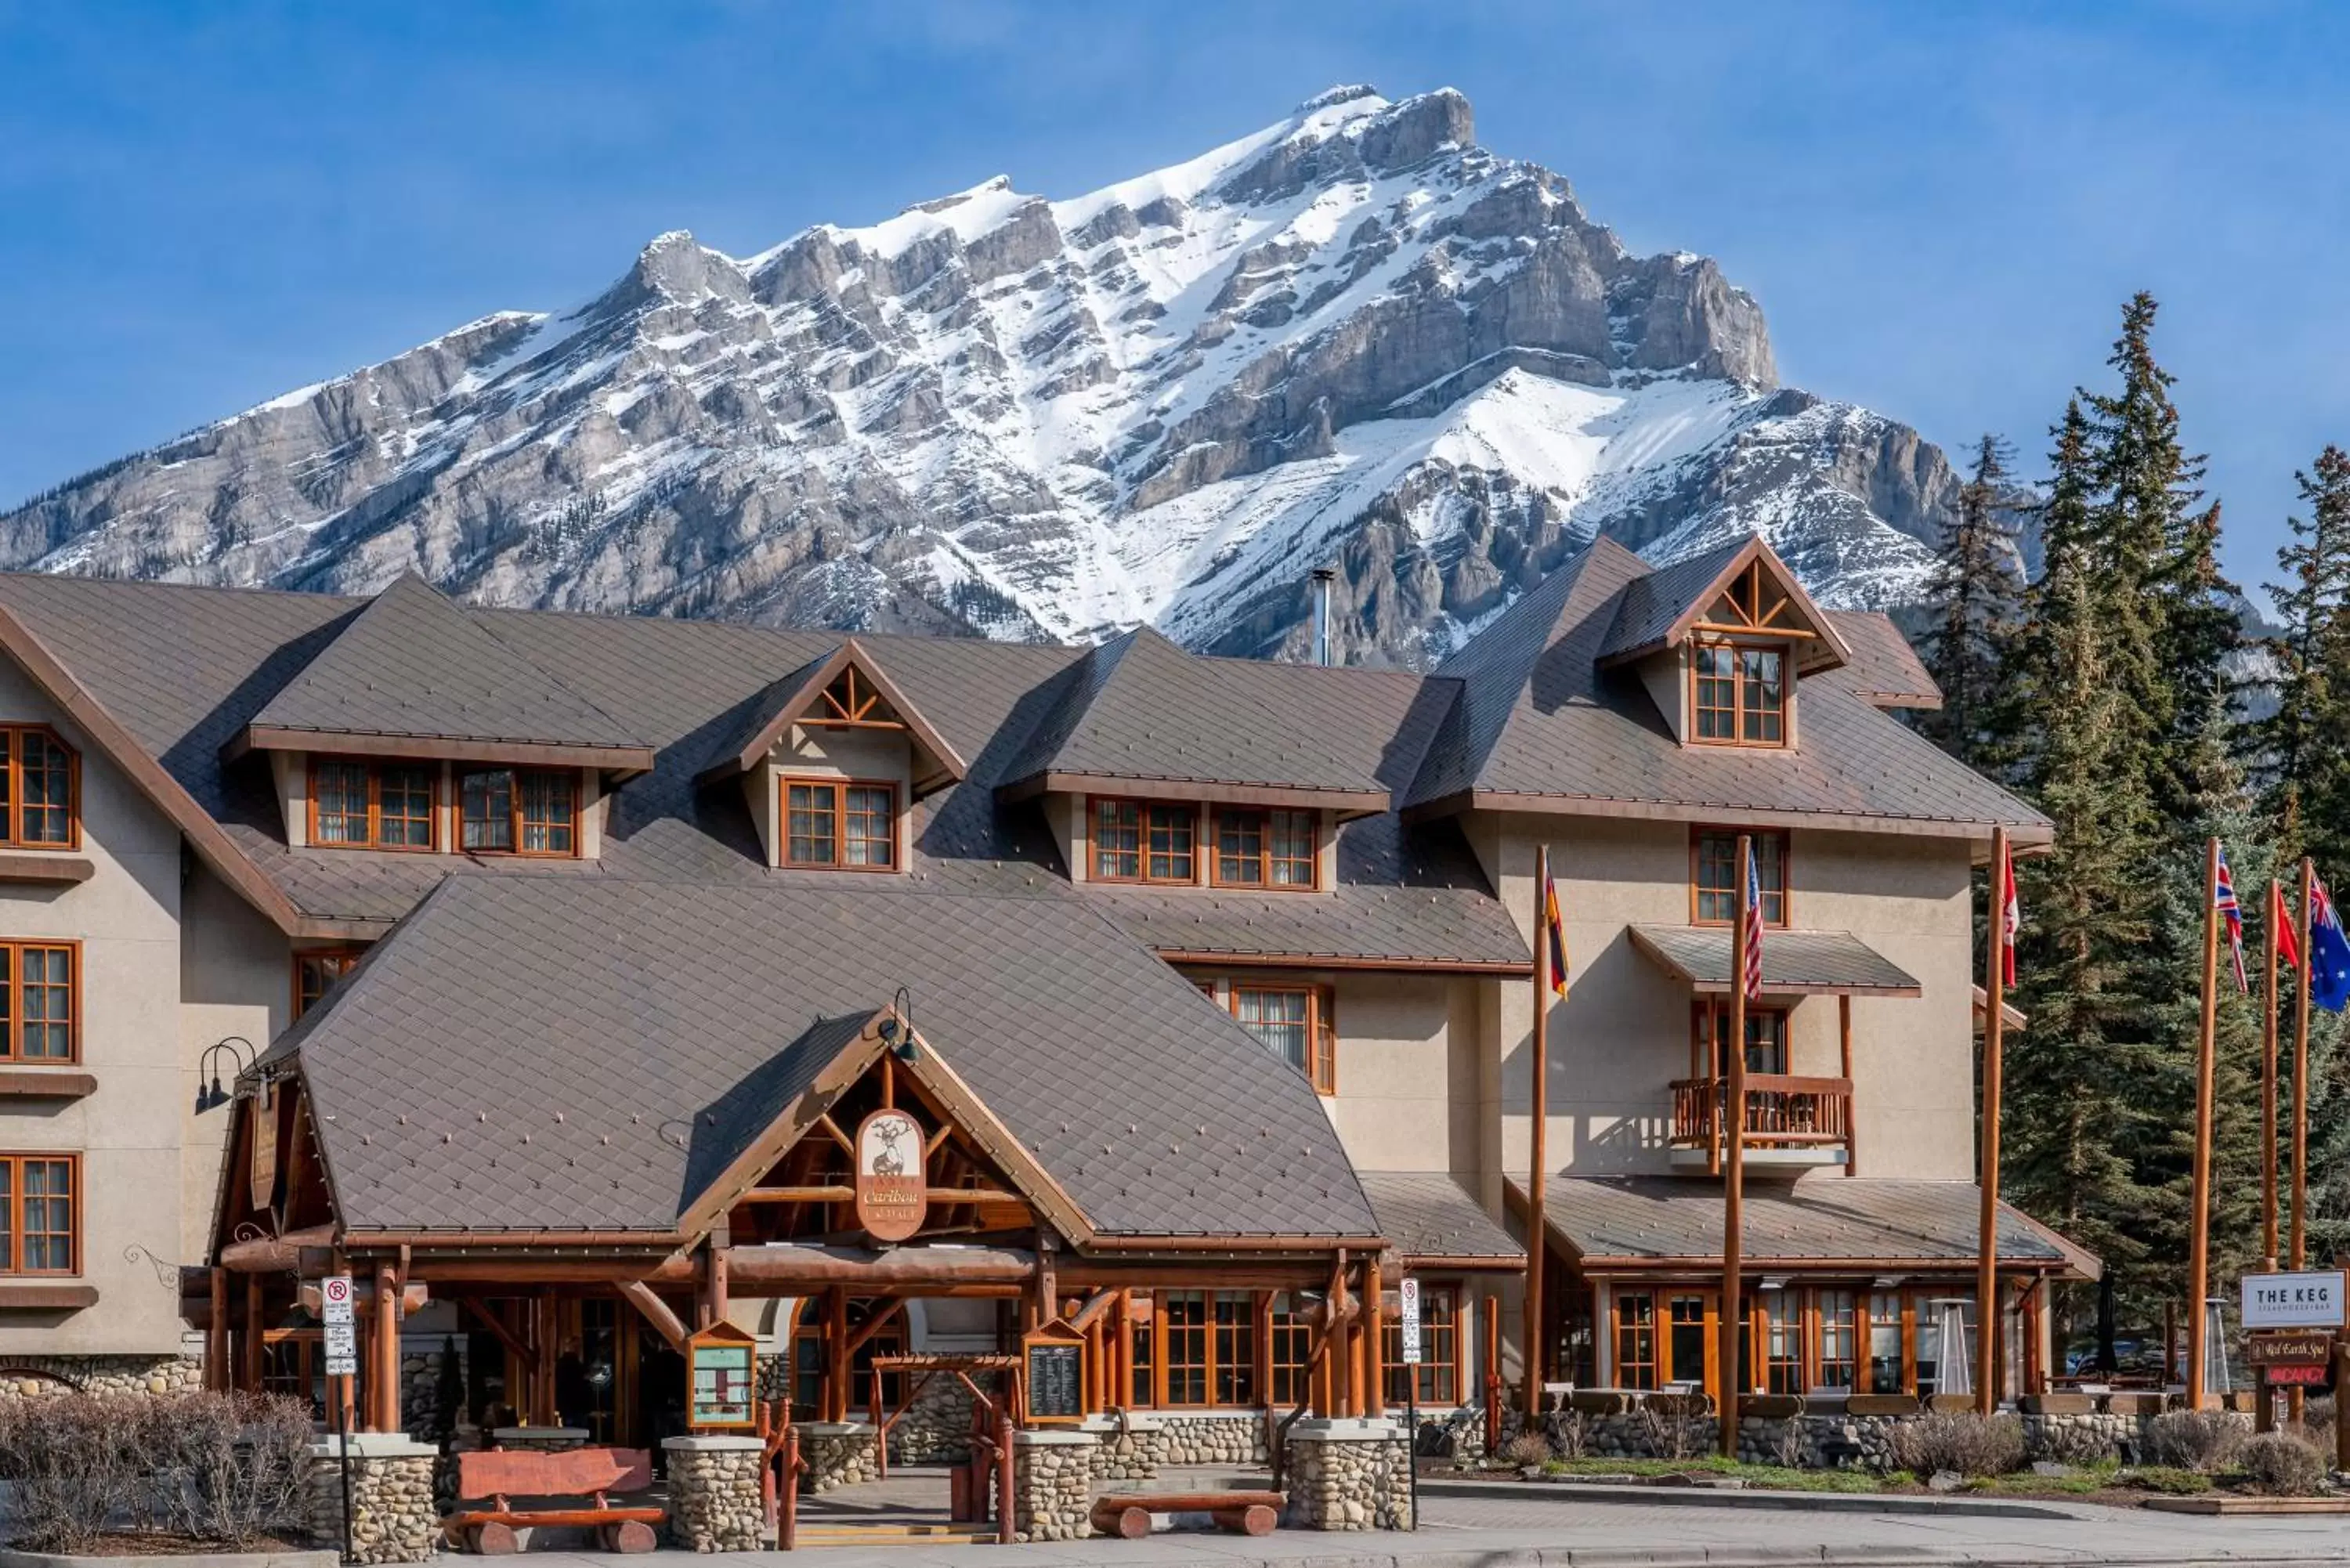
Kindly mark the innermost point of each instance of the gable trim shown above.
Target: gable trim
(795, 706)
(1691, 616)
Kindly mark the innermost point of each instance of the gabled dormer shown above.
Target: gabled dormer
(1720, 642)
(829, 759)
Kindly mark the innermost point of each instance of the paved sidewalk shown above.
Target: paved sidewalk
(1546, 1531)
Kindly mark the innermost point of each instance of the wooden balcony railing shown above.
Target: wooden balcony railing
(1783, 1112)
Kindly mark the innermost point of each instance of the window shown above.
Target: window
(1298, 1024)
(840, 822)
(315, 974)
(1689, 1339)
(1293, 1336)
(519, 811)
(40, 789)
(41, 990)
(1141, 1345)
(1141, 841)
(1235, 1348)
(1264, 850)
(1439, 1349)
(1766, 1038)
(1635, 1340)
(1782, 1341)
(372, 805)
(1183, 1333)
(1199, 1348)
(1740, 693)
(1888, 1372)
(39, 1210)
(1713, 875)
(1839, 1340)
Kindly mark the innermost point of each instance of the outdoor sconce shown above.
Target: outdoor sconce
(240, 1051)
(897, 1029)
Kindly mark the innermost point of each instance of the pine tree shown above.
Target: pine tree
(1977, 587)
(2305, 746)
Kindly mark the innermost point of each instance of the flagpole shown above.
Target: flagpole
(1735, 1177)
(2269, 1084)
(1537, 1240)
(2199, 1214)
(2293, 1402)
(1994, 1005)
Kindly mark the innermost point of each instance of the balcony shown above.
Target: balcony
(1790, 1122)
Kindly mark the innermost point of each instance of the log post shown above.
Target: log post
(1538, 1159)
(1987, 1240)
(216, 1333)
(254, 1329)
(836, 1350)
(385, 1416)
(1375, 1396)
(1734, 1168)
(2198, 1221)
(1851, 1121)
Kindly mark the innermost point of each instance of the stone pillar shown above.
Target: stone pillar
(1349, 1473)
(1053, 1485)
(839, 1453)
(713, 1493)
(393, 1517)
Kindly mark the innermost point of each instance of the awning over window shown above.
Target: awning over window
(1794, 964)
(1818, 1223)
(1432, 1222)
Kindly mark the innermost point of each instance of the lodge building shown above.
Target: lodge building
(578, 980)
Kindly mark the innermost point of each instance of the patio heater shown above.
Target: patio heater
(1954, 1363)
(2216, 1377)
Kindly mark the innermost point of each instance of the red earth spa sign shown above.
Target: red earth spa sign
(891, 1195)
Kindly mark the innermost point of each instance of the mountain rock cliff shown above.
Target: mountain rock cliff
(1355, 338)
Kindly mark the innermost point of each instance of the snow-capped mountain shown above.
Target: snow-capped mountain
(1354, 339)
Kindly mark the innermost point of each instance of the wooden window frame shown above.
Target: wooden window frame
(786, 782)
(1442, 1378)
(12, 1264)
(516, 821)
(1264, 855)
(1704, 1009)
(1700, 832)
(1151, 1360)
(1144, 810)
(1741, 708)
(375, 767)
(347, 955)
(12, 818)
(11, 1038)
(1321, 1067)
(1654, 1364)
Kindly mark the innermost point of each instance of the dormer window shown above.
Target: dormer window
(848, 824)
(38, 779)
(1265, 848)
(1740, 697)
(1144, 841)
(357, 804)
(519, 811)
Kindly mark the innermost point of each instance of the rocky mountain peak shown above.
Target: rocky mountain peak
(1352, 337)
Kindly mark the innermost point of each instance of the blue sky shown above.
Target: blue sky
(1941, 206)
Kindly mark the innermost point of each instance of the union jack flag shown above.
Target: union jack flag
(1753, 976)
(2223, 898)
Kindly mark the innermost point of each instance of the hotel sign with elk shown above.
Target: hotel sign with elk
(892, 1195)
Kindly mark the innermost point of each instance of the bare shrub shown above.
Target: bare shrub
(1670, 1427)
(1527, 1448)
(2281, 1465)
(224, 1468)
(1786, 1446)
(1569, 1433)
(1960, 1441)
(2317, 1424)
(2197, 1441)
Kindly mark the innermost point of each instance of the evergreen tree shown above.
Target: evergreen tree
(2305, 746)
(1977, 587)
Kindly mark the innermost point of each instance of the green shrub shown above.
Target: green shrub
(2167, 1480)
(1960, 1441)
(2281, 1465)
(2199, 1440)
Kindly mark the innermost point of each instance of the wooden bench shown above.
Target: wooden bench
(585, 1474)
(1127, 1514)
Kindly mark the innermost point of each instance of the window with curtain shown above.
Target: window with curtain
(1144, 841)
(840, 823)
(39, 786)
(1739, 694)
(40, 1213)
(360, 805)
(1297, 1023)
(315, 974)
(40, 987)
(519, 811)
(1265, 848)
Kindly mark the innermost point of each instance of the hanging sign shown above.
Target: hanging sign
(262, 1168)
(1053, 1366)
(722, 1373)
(1408, 1294)
(891, 1191)
(2312, 1300)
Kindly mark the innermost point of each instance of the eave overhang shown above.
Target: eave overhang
(1345, 802)
(516, 752)
(2024, 837)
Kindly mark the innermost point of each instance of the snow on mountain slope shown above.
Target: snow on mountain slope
(1352, 339)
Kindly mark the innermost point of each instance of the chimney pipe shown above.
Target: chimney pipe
(1322, 575)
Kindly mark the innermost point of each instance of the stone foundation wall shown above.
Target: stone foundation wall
(424, 1367)
(393, 1516)
(936, 1428)
(1235, 1439)
(103, 1374)
(837, 1454)
(714, 1494)
(1052, 1485)
(1349, 1474)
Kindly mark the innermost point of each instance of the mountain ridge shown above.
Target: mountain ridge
(1352, 337)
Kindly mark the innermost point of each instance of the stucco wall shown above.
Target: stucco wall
(129, 1132)
(828, 754)
(1408, 1072)
(236, 980)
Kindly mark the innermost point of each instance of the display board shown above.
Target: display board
(721, 1378)
(1053, 1374)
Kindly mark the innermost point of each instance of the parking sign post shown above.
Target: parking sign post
(1407, 1294)
(342, 1361)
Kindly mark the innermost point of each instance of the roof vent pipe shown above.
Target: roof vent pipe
(1322, 575)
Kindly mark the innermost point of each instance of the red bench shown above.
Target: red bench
(586, 1475)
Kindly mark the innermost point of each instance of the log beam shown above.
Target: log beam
(647, 1301)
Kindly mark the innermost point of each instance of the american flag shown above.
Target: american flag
(2223, 898)
(1753, 977)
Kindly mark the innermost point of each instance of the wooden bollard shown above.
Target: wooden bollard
(1253, 1520)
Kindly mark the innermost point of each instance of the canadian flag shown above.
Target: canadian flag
(2011, 918)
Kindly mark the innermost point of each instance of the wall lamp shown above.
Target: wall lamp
(897, 1030)
(240, 1051)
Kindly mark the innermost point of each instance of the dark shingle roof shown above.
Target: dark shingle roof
(1792, 961)
(1814, 1219)
(532, 1052)
(1429, 1214)
(1653, 602)
(414, 666)
(1884, 670)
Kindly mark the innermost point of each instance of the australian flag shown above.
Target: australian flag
(2329, 953)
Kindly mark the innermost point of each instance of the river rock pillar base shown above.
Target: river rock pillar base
(713, 1493)
(393, 1516)
(1348, 1474)
(1053, 1485)
(839, 1453)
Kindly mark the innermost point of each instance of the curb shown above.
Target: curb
(1788, 1501)
(12, 1558)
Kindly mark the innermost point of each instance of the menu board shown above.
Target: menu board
(1055, 1380)
(723, 1375)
